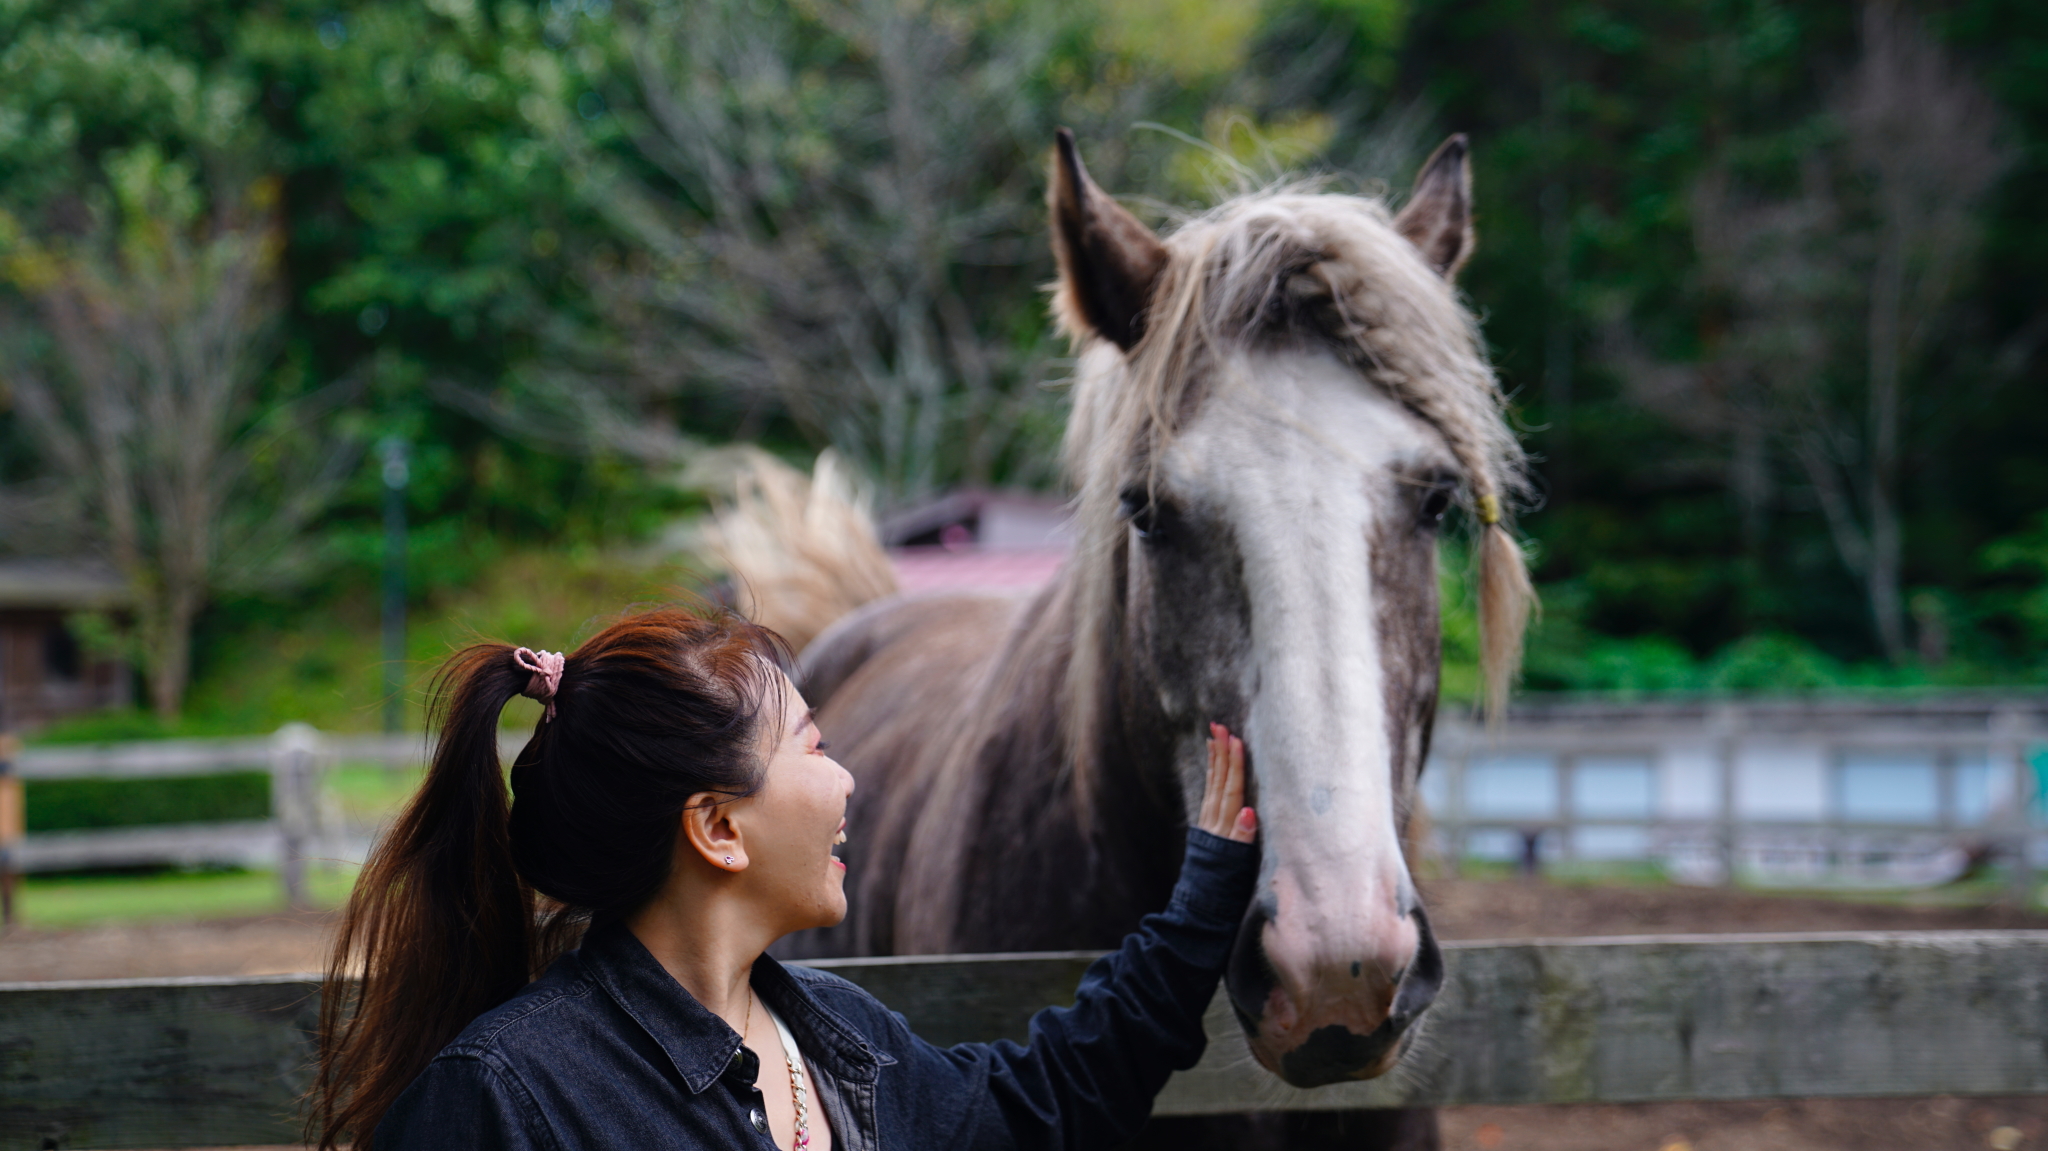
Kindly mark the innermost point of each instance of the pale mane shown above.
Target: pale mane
(1253, 268)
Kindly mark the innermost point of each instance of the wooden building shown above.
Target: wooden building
(981, 541)
(45, 673)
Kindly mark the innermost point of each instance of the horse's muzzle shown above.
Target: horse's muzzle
(1335, 1023)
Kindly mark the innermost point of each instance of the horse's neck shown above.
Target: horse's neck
(1013, 849)
(1137, 802)
(1129, 770)
(1126, 799)
(1134, 770)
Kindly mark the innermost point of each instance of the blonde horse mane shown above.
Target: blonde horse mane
(1250, 267)
(802, 550)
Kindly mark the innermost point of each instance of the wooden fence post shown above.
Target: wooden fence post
(1567, 806)
(294, 796)
(1458, 834)
(13, 824)
(1725, 722)
(2008, 743)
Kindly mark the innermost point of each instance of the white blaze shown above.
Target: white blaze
(1301, 455)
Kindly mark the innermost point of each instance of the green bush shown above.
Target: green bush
(81, 804)
(115, 725)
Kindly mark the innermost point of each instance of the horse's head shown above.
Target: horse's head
(1274, 410)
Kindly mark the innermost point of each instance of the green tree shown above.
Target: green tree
(1676, 197)
(161, 315)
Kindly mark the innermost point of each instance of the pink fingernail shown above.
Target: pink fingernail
(1248, 820)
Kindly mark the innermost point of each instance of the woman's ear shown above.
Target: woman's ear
(709, 831)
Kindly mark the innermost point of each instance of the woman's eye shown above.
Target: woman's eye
(822, 746)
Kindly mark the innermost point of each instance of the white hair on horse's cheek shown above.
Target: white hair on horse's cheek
(1398, 321)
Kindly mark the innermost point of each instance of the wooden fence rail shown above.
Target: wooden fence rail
(189, 1062)
(1757, 790)
(1684, 745)
(300, 826)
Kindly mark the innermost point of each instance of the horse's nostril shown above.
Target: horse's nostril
(1425, 975)
(1330, 1046)
(1249, 978)
(1334, 1053)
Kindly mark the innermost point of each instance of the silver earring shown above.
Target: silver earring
(728, 861)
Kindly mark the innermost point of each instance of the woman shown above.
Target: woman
(677, 802)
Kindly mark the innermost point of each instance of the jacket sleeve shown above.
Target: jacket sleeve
(1089, 1073)
(461, 1103)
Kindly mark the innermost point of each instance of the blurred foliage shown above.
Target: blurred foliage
(1592, 124)
(1193, 40)
(2018, 603)
(77, 804)
(269, 661)
(1241, 151)
(368, 794)
(447, 250)
(160, 317)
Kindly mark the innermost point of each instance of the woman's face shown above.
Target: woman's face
(792, 824)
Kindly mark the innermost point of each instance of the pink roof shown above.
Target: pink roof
(969, 569)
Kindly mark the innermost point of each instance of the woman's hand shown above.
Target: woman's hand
(1223, 809)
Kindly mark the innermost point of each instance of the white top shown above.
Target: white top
(788, 1041)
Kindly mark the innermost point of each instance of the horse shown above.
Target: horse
(1273, 410)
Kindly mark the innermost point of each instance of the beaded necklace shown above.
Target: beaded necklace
(798, 1096)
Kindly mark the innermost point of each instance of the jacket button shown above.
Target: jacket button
(759, 1120)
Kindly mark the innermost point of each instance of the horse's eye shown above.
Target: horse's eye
(1137, 506)
(1434, 505)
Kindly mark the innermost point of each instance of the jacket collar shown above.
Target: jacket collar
(825, 1035)
(701, 1045)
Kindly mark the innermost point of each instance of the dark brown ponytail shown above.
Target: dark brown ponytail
(470, 895)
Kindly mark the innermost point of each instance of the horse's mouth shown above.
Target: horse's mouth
(1335, 1054)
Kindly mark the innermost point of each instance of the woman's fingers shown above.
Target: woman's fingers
(1223, 811)
(1211, 801)
(1233, 777)
(1244, 823)
(1246, 828)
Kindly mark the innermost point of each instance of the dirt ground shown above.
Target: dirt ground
(270, 945)
(1940, 1124)
(1459, 909)
(1522, 909)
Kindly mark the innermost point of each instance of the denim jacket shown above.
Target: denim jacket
(607, 1050)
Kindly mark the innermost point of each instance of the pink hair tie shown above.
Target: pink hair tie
(546, 667)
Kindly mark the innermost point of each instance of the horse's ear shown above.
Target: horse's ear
(1438, 218)
(1109, 262)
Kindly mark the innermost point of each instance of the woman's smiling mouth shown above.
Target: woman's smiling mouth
(838, 840)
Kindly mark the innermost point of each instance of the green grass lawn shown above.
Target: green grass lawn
(80, 901)
(368, 795)
(1990, 887)
(371, 793)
